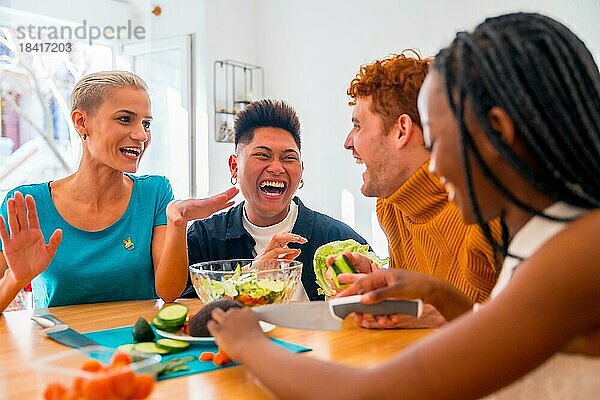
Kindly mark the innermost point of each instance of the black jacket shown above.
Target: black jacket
(223, 237)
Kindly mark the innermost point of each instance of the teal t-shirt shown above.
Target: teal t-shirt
(113, 264)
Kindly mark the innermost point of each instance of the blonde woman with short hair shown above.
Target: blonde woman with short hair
(112, 235)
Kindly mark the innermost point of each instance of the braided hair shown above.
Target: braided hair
(545, 78)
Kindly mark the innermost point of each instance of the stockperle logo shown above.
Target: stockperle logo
(81, 32)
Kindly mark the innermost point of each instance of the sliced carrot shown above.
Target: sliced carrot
(245, 299)
(54, 391)
(78, 384)
(221, 358)
(99, 388)
(144, 384)
(225, 356)
(70, 394)
(117, 365)
(206, 356)
(91, 365)
(185, 329)
(123, 382)
(223, 353)
(119, 359)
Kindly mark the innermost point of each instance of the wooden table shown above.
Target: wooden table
(22, 342)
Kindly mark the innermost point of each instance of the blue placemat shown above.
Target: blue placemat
(118, 336)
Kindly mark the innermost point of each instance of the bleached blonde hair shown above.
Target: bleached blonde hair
(91, 90)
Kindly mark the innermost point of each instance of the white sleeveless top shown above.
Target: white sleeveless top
(563, 376)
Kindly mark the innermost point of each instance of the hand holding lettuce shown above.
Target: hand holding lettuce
(329, 287)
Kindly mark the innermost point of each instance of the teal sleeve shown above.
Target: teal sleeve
(4, 212)
(164, 197)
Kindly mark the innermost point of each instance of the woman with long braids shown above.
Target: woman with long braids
(511, 112)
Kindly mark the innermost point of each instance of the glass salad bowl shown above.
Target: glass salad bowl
(249, 282)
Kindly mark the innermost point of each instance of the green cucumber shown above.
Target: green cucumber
(158, 324)
(126, 347)
(341, 265)
(173, 314)
(172, 345)
(142, 331)
(149, 347)
(173, 365)
(170, 318)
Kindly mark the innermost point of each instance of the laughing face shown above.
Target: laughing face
(371, 146)
(119, 130)
(269, 171)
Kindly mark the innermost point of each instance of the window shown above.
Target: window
(37, 142)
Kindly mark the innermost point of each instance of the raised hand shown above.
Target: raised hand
(25, 250)
(277, 247)
(182, 211)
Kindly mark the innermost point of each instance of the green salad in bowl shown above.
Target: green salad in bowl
(249, 282)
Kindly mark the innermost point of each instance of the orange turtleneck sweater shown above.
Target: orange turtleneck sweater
(426, 234)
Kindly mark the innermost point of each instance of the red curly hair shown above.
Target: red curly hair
(393, 83)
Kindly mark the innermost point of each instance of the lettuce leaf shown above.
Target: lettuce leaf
(336, 248)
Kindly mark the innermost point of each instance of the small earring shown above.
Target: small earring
(84, 137)
(301, 184)
(234, 180)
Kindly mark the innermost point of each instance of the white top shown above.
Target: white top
(263, 234)
(563, 376)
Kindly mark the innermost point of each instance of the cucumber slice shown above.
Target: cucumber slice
(171, 318)
(126, 347)
(150, 347)
(172, 345)
(167, 328)
(173, 314)
(171, 323)
(341, 265)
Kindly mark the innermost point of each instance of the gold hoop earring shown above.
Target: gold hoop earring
(234, 180)
(301, 184)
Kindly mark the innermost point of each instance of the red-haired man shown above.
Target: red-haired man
(425, 231)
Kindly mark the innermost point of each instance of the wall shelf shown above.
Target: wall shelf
(236, 84)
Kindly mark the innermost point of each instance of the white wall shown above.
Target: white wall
(95, 12)
(311, 50)
(222, 29)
